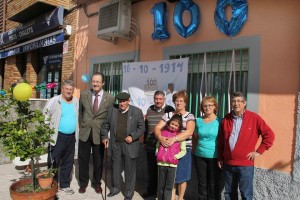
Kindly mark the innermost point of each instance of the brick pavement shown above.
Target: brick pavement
(9, 174)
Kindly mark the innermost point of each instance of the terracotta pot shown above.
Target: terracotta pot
(44, 182)
(45, 195)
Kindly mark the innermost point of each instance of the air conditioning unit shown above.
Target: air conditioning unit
(114, 19)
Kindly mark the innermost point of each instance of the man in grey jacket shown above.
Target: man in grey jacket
(93, 106)
(62, 114)
(126, 124)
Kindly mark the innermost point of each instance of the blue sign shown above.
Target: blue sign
(47, 41)
(52, 59)
(41, 24)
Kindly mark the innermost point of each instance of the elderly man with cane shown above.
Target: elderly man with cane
(126, 124)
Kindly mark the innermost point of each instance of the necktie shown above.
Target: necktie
(95, 105)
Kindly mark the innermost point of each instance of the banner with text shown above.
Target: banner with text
(34, 44)
(142, 79)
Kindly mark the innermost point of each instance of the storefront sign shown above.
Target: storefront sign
(52, 59)
(44, 41)
(41, 24)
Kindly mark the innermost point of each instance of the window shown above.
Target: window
(113, 74)
(219, 79)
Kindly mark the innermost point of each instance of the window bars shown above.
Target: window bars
(210, 73)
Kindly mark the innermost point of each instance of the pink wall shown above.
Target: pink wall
(278, 24)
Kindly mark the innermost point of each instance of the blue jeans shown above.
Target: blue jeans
(238, 177)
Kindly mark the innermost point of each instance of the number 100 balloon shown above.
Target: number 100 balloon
(160, 19)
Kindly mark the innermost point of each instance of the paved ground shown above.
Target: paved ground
(9, 173)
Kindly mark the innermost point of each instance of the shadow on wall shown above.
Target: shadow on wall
(280, 165)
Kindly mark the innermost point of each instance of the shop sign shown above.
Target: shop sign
(52, 59)
(41, 24)
(29, 46)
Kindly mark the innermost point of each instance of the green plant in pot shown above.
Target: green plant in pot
(23, 131)
(45, 177)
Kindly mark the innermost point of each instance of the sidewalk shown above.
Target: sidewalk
(9, 174)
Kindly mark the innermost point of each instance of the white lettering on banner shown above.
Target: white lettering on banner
(13, 51)
(12, 37)
(37, 44)
(25, 32)
(142, 79)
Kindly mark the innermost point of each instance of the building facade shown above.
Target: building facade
(266, 55)
(37, 43)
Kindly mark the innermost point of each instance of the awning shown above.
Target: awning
(40, 42)
(32, 11)
(42, 24)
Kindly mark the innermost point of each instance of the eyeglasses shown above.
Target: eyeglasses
(237, 101)
(208, 106)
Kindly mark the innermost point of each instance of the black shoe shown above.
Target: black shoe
(113, 193)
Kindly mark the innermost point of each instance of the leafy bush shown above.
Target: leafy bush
(23, 131)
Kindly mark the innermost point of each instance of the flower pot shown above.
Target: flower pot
(44, 195)
(44, 182)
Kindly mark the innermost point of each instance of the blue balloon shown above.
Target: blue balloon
(159, 11)
(238, 19)
(181, 6)
(2, 93)
(86, 78)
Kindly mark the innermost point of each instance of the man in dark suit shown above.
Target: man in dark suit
(93, 107)
(126, 124)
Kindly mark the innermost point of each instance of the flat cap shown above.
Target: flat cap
(123, 96)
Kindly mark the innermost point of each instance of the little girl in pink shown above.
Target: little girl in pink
(167, 158)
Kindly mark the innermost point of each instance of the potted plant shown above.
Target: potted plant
(45, 177)
(24, 134)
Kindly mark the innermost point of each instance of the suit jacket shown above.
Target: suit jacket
(135, 127)
(87, 120)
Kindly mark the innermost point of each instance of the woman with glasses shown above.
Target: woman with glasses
(206, 133)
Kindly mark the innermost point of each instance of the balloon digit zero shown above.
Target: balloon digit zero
(181, 6)
(238, 19)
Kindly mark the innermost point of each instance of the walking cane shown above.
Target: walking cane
(105, 181)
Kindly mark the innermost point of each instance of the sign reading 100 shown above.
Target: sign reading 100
(163, 68)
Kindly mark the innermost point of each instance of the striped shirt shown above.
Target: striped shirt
(152, 117)
(237, 124)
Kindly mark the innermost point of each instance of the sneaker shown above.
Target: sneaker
(67, 190)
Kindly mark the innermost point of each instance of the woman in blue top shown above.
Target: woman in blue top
(208, 172)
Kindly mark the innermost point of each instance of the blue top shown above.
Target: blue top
(207, 142)
(67, 123)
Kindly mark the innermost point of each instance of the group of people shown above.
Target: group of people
(227, 145)
(78, 122)
(121, 125)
